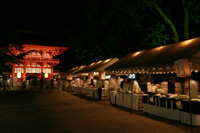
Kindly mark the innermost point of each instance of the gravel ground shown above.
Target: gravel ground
(34, 112)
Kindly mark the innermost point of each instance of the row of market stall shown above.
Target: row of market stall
(81, 77)
(174, 59)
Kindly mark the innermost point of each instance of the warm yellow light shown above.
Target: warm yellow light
(91, 64)
(46, 75)
(159, 48)
(19, 75)
(107, 60)
(185, 43)
(136, 53)
(99, 61)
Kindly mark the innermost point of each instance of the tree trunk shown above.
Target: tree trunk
(186, 20)
(168, 21)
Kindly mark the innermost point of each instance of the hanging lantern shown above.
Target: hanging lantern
(46, 75)
(19, 75)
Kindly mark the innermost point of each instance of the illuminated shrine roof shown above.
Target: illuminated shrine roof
(51, 49)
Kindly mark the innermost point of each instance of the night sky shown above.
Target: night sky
(38, 23)
(96, 30)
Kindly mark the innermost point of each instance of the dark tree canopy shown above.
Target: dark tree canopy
(8, 38)
(114, 28)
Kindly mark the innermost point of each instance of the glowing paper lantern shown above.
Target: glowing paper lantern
(19, 75)
(46, 75)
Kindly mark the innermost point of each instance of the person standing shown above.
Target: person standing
(4, 82)
(41, 82)
(164, 86)
(113, 82)
(123, 82)
(99, 86)
(194, 88)
(92, 82)
(171, 85)
(136, 87)
(41, 85)
(8, 83)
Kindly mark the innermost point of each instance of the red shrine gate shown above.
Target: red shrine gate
(36, 63)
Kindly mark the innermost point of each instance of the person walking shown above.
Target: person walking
(194, 88)
(171, 85)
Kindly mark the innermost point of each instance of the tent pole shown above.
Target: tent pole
(131, 87)
(190, 106)
(104, 93)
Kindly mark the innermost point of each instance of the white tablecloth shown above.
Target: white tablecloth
(162, 112)
(104, 93)
(86, 91)
(172, 114)
(79, 90)
(112, 96)
(125, 100)
(70, 88)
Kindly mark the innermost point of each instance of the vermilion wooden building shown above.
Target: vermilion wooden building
(36, 62)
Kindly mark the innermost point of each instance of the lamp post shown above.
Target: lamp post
(183, 70)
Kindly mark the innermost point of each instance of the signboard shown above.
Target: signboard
(182, 68)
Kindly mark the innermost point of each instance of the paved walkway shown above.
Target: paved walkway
(34, 112)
